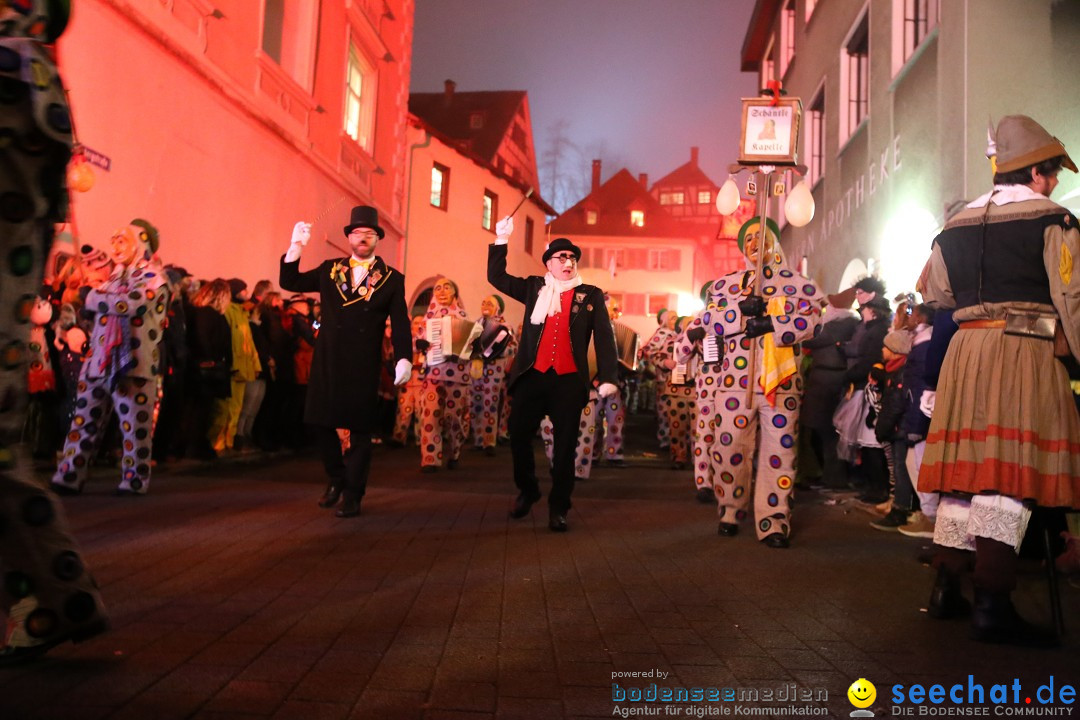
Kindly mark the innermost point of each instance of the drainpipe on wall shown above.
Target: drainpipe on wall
(408, 200)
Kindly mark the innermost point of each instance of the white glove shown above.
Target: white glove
(402, 371)
(301, 233)
(503, 230)
(607, 389)
(668, 363)
(926, 402)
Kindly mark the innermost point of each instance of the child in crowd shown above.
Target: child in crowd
(884, 391)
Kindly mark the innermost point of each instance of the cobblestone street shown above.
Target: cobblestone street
(233, 596)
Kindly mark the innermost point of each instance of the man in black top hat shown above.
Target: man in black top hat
(550, 375)
(357, 294)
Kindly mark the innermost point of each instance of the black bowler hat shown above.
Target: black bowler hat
(560, 244)
(364, 216)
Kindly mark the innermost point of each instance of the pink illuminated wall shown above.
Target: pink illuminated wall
(222, 148)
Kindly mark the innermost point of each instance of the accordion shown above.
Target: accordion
(494, 338)
(627, 344)
(450, 338)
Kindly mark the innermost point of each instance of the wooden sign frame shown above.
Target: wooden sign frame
(770, 133)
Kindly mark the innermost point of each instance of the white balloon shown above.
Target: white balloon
(799, 206)
(728, 199)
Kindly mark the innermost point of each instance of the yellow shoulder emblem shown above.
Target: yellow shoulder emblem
(1065, 266)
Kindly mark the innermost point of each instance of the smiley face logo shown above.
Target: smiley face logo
(862, 693)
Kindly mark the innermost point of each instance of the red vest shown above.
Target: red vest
(555, 350)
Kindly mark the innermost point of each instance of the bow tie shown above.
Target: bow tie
(353, 262)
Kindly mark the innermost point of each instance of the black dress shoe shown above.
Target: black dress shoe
(776, 540)
(995, 620)
(330, 497)
(490, 451)
(429, 468)
(349, 508)
(557, 522)
(451, 464)
(706, 496)
(616, 462)
(946, 599)
(522, 505)
(727, 529)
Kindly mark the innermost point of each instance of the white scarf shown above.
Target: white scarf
(547, 302)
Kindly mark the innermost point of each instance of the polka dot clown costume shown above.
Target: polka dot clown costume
(408, 402)
(588, 434)
(678, 400)
(444, 395)
(760, 336)
(707, 380)
(612, 409)
(122, 369)
(651, 354)
(488, 387)
(47, 592)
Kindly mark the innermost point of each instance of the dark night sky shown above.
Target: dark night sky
(635, 82)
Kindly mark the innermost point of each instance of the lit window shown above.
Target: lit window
(665, 260)
(360, 79)
(658, 302)
(529, 235)
(787, 36)
(913, 21)
(634, 304)
(855, 78)
(590, 217)
(665, 198)
(815, 139)
(637, 218)
(678, 198)
(704, 197)
(491, 210)
(440, 185)
(289, 32)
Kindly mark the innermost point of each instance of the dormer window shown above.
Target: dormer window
(590, 217)
(637, 218)
(476, 120)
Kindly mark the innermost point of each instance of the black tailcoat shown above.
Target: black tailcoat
(588, 317)
(345, 369)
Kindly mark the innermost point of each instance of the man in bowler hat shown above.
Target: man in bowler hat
(357, 294)
(550, 375)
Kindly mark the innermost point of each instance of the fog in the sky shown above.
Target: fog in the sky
(633, 82)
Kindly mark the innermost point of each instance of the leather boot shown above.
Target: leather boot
(995, 620)
(350, 507)
(946, 600)
(331, 496)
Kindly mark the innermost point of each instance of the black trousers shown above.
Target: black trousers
(347, 470)
(561, 398)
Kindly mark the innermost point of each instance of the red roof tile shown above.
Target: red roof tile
(451, 113)
(613, 202)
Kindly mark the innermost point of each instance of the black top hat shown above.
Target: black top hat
(559, 244)
(364, 216)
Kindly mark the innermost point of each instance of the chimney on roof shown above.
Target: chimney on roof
(448, 91)
(595, 175)
(693, 156)
(643, 178)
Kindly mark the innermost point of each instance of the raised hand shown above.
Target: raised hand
(301, 233)
(504, 228)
